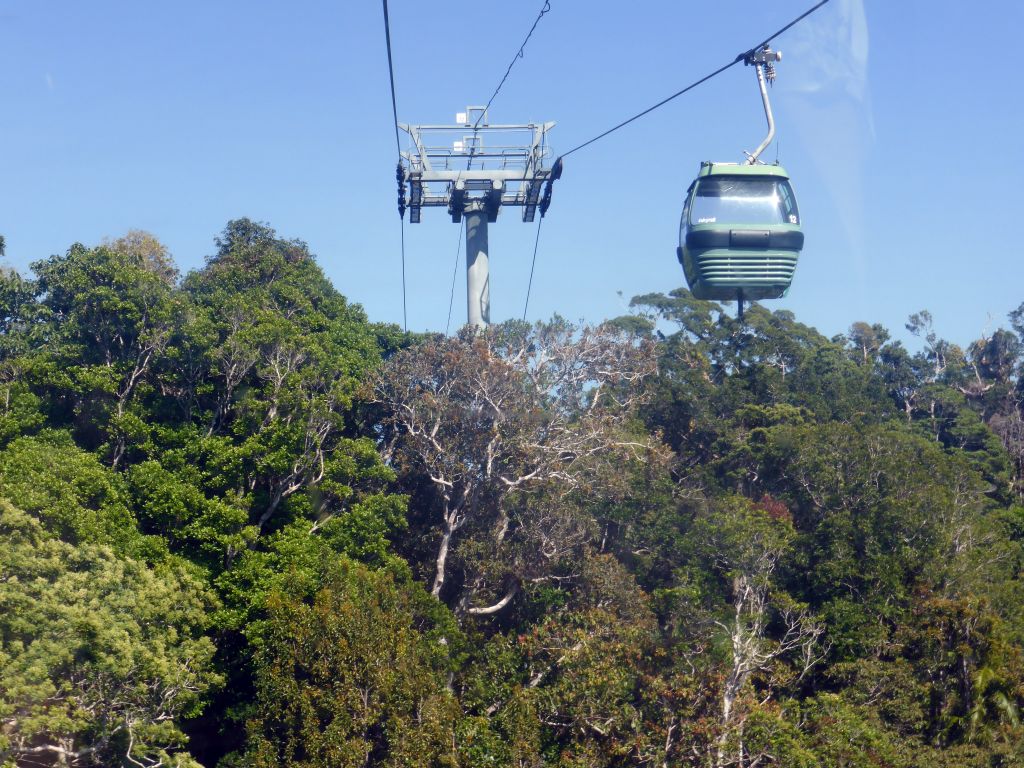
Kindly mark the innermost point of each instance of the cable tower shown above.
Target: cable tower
(473, 169)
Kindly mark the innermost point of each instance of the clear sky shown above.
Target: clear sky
(893, 119)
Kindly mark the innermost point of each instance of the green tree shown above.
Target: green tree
(108, 316)
(72, 494)
(354, 676)
(865, 341)
(20, 408)
(736, 550)
(285, 354)
(100, 656)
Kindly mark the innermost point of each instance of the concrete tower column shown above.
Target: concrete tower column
(478, 288)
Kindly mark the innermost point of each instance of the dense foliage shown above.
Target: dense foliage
(241, 525)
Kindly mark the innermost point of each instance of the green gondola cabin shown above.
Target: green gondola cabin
(740, 234)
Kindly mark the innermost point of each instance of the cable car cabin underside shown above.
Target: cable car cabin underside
(740, 236)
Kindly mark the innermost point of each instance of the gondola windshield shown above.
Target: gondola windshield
(744, 201)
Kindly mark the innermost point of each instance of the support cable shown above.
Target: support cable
(405, 316)
(545, 202)
(398, 146)
(455, 272)
(533, 264)
(741, 57)
(519, 54)
(391, 76)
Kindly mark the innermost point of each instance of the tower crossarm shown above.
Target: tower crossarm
(450, 166)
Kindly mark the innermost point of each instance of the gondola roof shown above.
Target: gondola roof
(708, 168)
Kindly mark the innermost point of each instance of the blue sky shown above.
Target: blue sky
(893, 119)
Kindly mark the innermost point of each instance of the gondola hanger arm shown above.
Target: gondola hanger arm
(763, 60)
